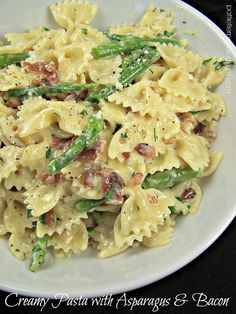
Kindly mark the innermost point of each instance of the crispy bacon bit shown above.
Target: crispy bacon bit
(48, 179)
(92, 154)
(50, 218)
(17, 173)
(183, 116)
(14, 128)
(56, 141)
(83, 94)
(145, 150)
(60, 143)
(47, 70)
(116, 180)
(170, 140)
(122, 140)
(126, 155)
(59, 177)
(137, 178)
(153, 199)
(188, 193)
(13, 102)
(88, 179)
(107, 124)
(199, 128)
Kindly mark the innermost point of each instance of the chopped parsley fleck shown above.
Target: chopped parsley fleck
(42, 219)
(133, 174)
(49, 153)
(84, 113)
(92, 233)
(222, 64)
(206, 61)
(154, 134)
(124, 135)
(168, 34)
(84, 31)
(29, 213)
(173, 210)
(46, 29)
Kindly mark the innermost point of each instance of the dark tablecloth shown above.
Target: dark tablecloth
(213, 273)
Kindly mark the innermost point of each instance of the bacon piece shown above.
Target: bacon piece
(13, 102)
(153, 199)
(199, 128)
(47, 70)
(60, 143)
(83, 94)
(126, 155)
(145, 150)
(188, 193)
(88, 179)
(17, 173)
(50, 218)
(49, 179)
(117, 197)
(137, 178)
(93, 153)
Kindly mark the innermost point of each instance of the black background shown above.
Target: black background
(213, 273)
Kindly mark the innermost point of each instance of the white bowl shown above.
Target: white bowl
(86, 275)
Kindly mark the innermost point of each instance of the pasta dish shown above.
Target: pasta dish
(104, 135)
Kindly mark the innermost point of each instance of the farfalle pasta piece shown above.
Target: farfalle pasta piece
(73, 240)
(106, 71)
(9, 160)
(156, 20)
(21, 178)
(179, 82)
(207, 74)
(217, 109)
(71, 13)
(168, 160)
(14, 77)
(15, 217)
(140, 97)
(3, 205)
(215, 159)
(193, 149)
(185, 104)
(21, 244)
(141, 214)
(46, 113)
(72, 61)
(176, 56)
(42, 198)
(9, 131)
(162, 237)
(25, 41)
(62, 217)
(105, 238)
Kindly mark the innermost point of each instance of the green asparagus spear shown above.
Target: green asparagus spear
(128, 43)
(38, 253)
(96, 96)
(222, 64)
(133, 65)
(138, 66)
(168, 178)
(7, 59)
(86, 204)
(85, 140)
(48, 90)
